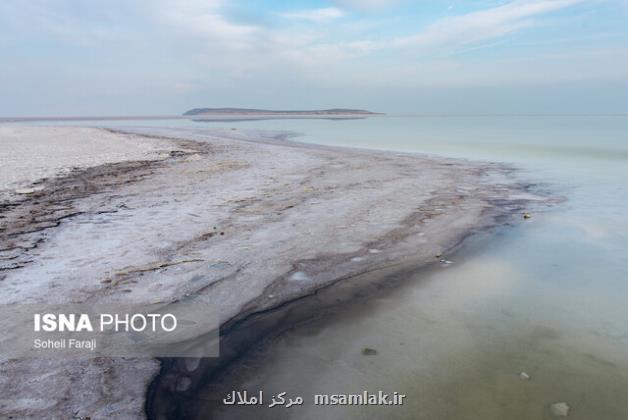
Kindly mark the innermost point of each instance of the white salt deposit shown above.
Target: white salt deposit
(28, 154)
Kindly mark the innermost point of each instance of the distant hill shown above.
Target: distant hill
(253, 112)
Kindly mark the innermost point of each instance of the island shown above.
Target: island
(231, 114)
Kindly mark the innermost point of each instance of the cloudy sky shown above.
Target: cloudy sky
(87, 57)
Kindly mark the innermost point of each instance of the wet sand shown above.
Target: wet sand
(247, 221)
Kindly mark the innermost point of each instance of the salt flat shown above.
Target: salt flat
(242, 220)
(28, 154)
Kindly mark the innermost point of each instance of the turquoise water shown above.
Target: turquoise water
(548, 297)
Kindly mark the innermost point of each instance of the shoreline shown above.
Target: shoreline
(311, 313)
(164, 399)
(387, 205)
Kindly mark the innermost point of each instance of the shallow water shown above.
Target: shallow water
(548, 297)
(455, 340)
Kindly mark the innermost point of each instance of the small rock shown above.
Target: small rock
(191, 363)
(560, 409)
(367, 351)
(183, 384)
(524, 376)
(29, 190)
(299, 276)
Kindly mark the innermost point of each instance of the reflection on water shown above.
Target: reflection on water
(547, 298)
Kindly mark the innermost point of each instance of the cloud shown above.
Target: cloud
(483, 25)
(315, 15)
(218, 46)
(206, 19)
(59, 22)
(367, 4)
(246, 50)
(311, 50)
(462, 30)
(243, 49)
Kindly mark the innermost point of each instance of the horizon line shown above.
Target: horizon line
(187, 117)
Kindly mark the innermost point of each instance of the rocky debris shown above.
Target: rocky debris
(299, 276)
(559, 409)
(27, 191)
(367, 351)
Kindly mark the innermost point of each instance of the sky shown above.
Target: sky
(141, 57)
